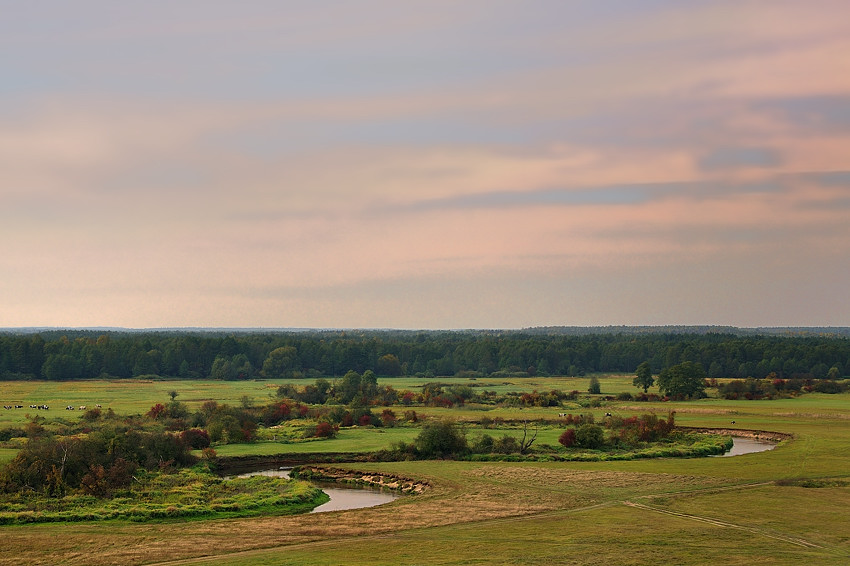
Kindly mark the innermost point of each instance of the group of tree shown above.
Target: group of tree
(97, 462)
(773, 387)
(58, 355)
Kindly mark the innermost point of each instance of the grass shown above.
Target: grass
(127, 396)
(186, 494)
(135, 396)
(355, 439)
(606, 535)
(676, 511)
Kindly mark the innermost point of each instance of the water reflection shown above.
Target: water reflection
(747, 446)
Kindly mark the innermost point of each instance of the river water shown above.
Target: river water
(747, 446)
(359, 497)
(342, 496)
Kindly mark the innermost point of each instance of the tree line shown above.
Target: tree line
(84, 354)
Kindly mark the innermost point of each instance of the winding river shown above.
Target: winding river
(359, 497)
(342, 496)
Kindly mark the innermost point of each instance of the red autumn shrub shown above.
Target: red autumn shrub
(568, 438)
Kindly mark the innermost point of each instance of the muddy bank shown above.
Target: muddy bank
(740, 433)
(338, 475)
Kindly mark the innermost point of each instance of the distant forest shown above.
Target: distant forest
(198, 354)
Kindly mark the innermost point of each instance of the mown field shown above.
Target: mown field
(741, 510)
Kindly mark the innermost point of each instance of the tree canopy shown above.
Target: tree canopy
(643, 377)
(75, 354)
(683, 380)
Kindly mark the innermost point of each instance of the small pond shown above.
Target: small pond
(742, 446)
(342, 496)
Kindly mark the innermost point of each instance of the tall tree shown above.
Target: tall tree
(683, 380)
(280, 362)
(643, 377)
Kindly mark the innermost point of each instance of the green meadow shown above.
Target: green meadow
(785, 506)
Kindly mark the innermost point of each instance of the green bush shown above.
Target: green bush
(441, 439)
(590, 436)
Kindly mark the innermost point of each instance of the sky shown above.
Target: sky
(424, 164)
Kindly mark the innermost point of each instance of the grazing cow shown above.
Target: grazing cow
(733, 422)
(607, 414)
(19, 406)
(562, 415)
(82, 407)
(69, 408)
(98, 406)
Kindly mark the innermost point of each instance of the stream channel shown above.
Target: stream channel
(342, 496)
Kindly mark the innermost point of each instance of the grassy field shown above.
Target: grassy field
(137, 396)
(130, 396)
(737, 510)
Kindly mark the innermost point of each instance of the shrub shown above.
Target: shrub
(440, 439)
(411, 416)
(388, 418)
(325, 430)
(92, 415)
(483, 444)
(829, 387)
(590, 436)
(156, 411)
(408, 398)
(568, 438)
(195, 438)
(506, 445)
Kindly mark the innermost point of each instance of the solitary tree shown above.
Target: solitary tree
(526, 442)
(594, 388)
(683, 380)
(643, 377)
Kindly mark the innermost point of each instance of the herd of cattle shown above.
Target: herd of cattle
(46, 407)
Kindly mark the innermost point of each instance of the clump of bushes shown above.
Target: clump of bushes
(589, 436)
(630, 431)
(99, 463)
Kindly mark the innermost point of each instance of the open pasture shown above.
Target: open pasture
(125, 396)
(135, 396)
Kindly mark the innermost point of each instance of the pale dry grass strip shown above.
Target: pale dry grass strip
(318, 544)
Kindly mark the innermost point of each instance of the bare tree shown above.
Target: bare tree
(526, 442)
